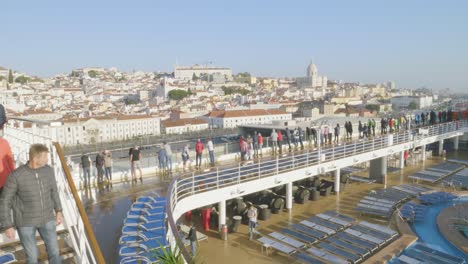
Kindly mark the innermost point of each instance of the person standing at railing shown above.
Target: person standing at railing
(135, 157)
(33, 184)
(373, 127)
(168, 149)
(86, 166)
(274, 141)
(308, 133)
(314, 135)
(260, 143)
(162, 158)
(108, 165)
(288, 135)
(249, 146)
(210, 147)
(383, 125)
(7, 163)
(295, 138)
(255, 144)
(199, 147)
(280, 142)
(360, 128)
(337, 133)
(301, 137)
(185, 156)
(241, 148)
(325, 135)
(100, 166)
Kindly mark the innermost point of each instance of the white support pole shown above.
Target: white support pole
(222, 213)
(337, 180)
(289, 195)
(455, 142)
(402, 159)
(441, 147)
(423, 151)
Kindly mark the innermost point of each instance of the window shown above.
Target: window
(84, 128)
(69, 130)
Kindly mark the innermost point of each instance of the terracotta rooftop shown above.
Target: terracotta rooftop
(109, 117)
(241, 113)
(182, 122)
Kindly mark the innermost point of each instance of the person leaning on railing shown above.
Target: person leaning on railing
(31, 191)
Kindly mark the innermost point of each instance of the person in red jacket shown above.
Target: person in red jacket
(199, 147)
(280, 141)
(260, 143)
(7, 164)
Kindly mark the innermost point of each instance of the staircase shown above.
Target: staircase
(76, 238)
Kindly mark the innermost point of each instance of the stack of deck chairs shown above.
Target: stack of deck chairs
(383, 202)
(144, 231)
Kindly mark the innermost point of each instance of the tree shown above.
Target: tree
(178, 94)
(413, 105)
(372, 107)
(194, 77)
(231, 90)
(93, 73)
(2, 78)
(10, 76)
(21, 79)
(129, 101)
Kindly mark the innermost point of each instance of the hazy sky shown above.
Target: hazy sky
(413, 42)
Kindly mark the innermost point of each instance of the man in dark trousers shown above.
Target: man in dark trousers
(86, 166)
(192, 237)
(100, 166)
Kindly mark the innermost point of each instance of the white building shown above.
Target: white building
(183, 125)
(98, 129)
(404, 101)
(312, 79)
(231, 119)
(197, 70)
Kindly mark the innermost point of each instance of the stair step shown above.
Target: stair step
(67, 253)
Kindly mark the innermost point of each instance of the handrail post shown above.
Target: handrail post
(238, 174)
(259, 170)
(293, 166)
(333, 152)
(193, 183)
(277, 167)
(217, 178)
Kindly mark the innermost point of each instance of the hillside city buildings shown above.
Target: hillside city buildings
(95, 105)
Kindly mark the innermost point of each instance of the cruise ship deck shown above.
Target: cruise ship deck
(107, 205)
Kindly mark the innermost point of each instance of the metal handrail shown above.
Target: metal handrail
(84, 217)
(181, 188)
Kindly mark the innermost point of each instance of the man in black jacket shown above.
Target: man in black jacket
(192, 237)
(31, 191)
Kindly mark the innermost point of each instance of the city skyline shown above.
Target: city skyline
(415, 44)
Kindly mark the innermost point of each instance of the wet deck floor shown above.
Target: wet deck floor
(108, 207)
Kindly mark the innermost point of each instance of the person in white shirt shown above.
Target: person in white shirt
(168, 149)
(210, 147)
(274, 140)
(252, 215)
